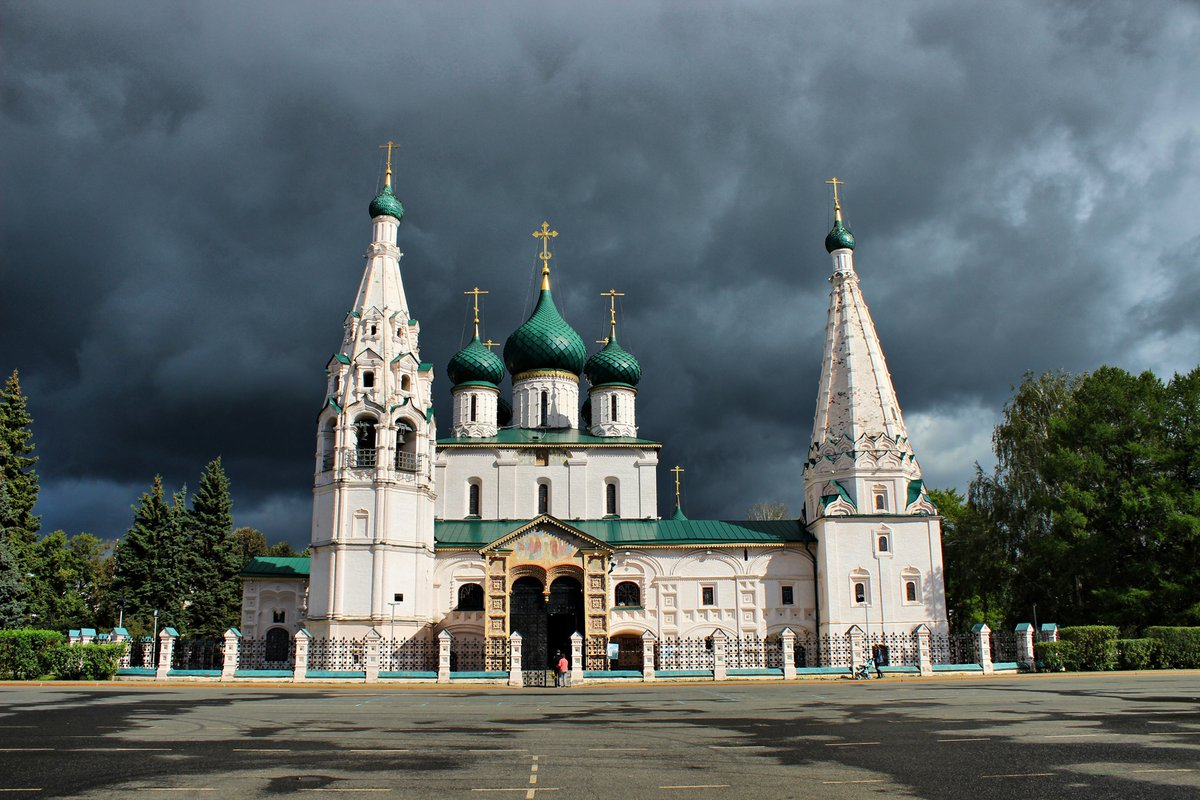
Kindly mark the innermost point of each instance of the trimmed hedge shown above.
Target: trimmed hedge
(87, 662)
(1055, 656)
(1094, 646)
(1180, 646)
(27, 654)
(1139, 654)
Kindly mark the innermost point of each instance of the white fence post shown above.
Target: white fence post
(719, 639)
(166, 652)
(371, 657)
(857, 647)
(1049, 631)
(787, 641)
(514, 660)
(924, 649)
(229, 663)
(648, 656)
(1025, 654)
(122, 635)
(300, 667)
(983, 646)
(444, 638)
(576, 658)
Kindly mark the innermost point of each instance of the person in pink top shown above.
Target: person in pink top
(560, 670)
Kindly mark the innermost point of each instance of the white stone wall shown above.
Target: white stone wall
(484, 421)
(562, 394)
(604, 422)
(265, 599)
(577, 477)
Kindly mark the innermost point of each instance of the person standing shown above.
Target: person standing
(560, 669)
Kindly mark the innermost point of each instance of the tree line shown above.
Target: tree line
(1092, 512)
(180, 557)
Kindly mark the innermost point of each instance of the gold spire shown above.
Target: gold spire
(612, 295)
(837, 206)
(476, 292)
(678, 470)
(545, 234)
(387, 177)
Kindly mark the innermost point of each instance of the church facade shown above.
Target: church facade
(539, 512)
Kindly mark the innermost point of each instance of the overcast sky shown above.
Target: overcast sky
(184, 193)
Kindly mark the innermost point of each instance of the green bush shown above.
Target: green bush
(1180, 646)
(26, 654)
(87, 662)
(1056, 656)
(1095, 646)
(1139, 654)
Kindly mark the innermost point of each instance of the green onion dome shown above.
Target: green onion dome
(545, 341)
(503, 411)
(475, 363)
(613, 364)
(385, 204)
(839, 238)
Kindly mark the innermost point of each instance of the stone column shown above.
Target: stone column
(787, 642)
(371, 657)
(230, 663)
(166, 652)
(444, 638)
(983, 646)
(300, 667)
(718, 639)
(924, 649)
(514, 660)
(120, 635)
(1025, 644)
(576, 658)
(857, 647)
(648, 656)
(1049, 631)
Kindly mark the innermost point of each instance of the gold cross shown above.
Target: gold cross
(545, 234)
(489, 344)
(476, 291)
(602, 341)
(837, 206)
(387, 178)
(678, 470)
(612, 295)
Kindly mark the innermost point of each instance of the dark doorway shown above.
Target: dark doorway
(528, 618)
(565, 615)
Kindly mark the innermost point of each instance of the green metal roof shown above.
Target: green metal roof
(276, 567)
(839, 238)
(386, 204)
(544, 341)
(634, 532)
(613, 364)
(475, 363)
(540, 437)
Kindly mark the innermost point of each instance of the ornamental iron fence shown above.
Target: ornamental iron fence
(953, 648)
(141, 652)
(673, 653)
(274, 653)
(1004, 646)
(410, 655)
(205, 654)
(337, 655)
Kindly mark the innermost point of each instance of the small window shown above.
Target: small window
(474, 401)
(628, 593)
(278, 616)
(610, 499)
(884, 545)
(789, 597)
(910, 591)
(369, 379)
(880, 494)
(545, 418)
(543, 498)
(473, 503)
(860, 593)
(398, 597)
(374, 330)
(708, 595)
(470, 597)
(613, 408)
(337, 383)
(405, 383)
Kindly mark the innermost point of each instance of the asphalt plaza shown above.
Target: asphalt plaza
(1096, 736)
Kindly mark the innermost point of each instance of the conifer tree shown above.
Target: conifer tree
(18, 479)
(12, 588)
(213, 556)
(149, 573)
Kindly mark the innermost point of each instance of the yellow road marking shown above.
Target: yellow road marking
(699, 786)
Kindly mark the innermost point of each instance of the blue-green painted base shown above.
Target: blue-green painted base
(138, 671)
(822, 670)
(194, 673)
(263, 673)
(683, 673)
(612, 673)
(1006, 666)
(323, 674)
(407, 673)
(456, 676)
(761, 671)
(957, 668)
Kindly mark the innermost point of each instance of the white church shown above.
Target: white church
(540, 515)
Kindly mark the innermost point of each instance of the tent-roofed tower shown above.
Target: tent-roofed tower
(879, 540)
(372, 530)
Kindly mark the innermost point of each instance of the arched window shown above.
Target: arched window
(474, 402)
(364, 441)
(406, 446)
(628, 593)
(880, 494)
(405, 383)
(545, 420)
(470, 597)
(543, 498)
(883, 544)
(328, 438)
(610, 499)
(613, 408)
(860, 593)
(910, 580)
(910, 591)
(473, 503)
(368, 379)
(337, 383)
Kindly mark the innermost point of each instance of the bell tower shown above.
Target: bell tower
(373, 490)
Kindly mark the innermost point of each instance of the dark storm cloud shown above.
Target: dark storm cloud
(184, 195)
